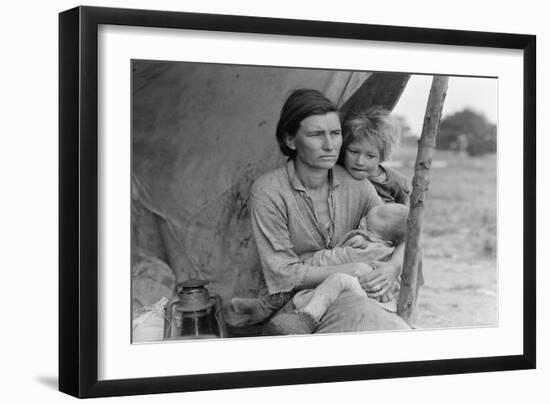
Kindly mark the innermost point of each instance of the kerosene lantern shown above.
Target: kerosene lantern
(194, 313)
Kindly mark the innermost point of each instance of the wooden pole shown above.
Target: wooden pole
(421, 181)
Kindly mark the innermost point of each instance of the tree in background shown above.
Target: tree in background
(467, 130)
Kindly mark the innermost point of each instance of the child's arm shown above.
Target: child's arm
(400, 188)
(402, 197)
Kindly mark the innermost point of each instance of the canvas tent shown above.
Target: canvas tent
(201, 134)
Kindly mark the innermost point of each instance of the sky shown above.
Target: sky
(478, 94)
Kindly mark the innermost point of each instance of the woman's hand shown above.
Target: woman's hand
(380, 280)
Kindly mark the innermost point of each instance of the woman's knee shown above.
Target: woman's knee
(351, 313)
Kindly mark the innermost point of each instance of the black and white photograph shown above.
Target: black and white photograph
(275, 202)
(282, 201)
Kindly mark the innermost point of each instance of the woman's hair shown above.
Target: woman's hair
(298, 106)
(376, 125)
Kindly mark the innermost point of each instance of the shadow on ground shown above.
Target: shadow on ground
(48, 381)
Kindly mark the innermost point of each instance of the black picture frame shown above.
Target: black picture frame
(78, 200)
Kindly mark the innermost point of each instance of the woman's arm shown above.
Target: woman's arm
(375, 276)
(319, 274)
(283, 269)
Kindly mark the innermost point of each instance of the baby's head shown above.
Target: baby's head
(388, 222)
(369, 137)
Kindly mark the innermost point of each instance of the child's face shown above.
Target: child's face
(361, 159)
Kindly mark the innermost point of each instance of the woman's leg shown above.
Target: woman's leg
(348, 313)
(351, 313)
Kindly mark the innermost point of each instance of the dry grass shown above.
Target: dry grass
(459, 242)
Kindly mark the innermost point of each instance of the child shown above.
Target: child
(369, 139)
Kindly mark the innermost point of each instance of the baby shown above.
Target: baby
(382, 229)
(369, 139)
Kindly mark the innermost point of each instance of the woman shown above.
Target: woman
(309, 204)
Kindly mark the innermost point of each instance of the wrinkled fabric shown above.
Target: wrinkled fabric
(148, 322)
(375, 250)
(392, 187)
(152, 280)
(353, 313)
(201, 134)
(285, 227)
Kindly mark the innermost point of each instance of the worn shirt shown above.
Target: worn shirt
(285, 226)
(374, 250)
(392, 186)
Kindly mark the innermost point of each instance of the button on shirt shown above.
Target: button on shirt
(286, 229)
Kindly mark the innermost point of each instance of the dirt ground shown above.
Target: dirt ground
(459, 241)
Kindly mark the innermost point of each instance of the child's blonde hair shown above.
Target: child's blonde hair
(377, 126)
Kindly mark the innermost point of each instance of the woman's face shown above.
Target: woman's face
(317, 141)
(361, 159)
